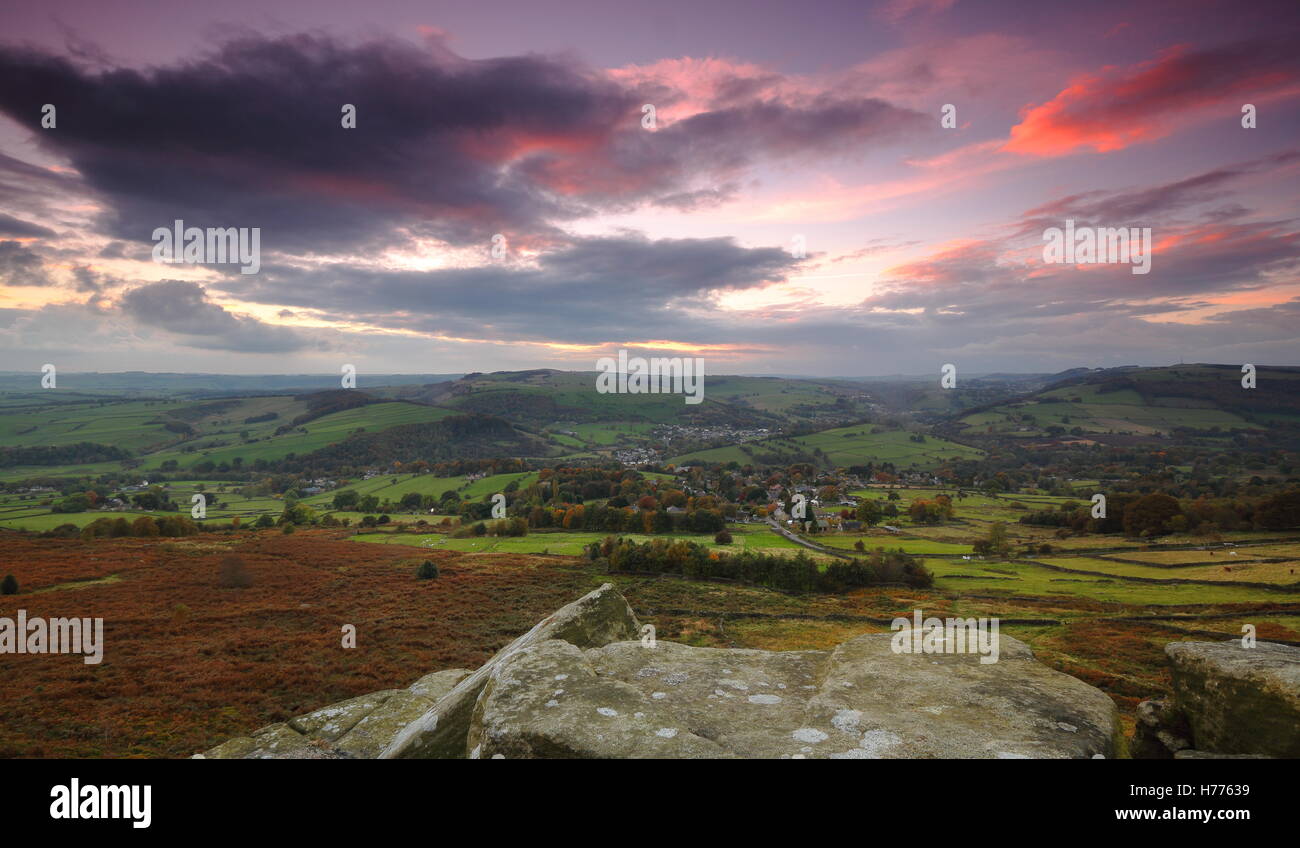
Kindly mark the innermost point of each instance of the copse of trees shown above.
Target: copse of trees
(144, 526)
(80, 452)
(1159, 513)
(935, 511)
(798, 574)
(869, 512)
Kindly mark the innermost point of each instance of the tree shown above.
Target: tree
(1151, 514)
(722, 537)
(869, 512)
(1280, 512)
(995, 543)
(9, 586)
(428, 570)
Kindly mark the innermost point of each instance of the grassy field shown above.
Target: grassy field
(571, 544)
(845, 446)
(219, 433)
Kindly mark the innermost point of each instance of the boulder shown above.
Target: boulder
(359, 727)
(434, 686)
(273, 742)
(598, 618)
(859, 701)
(1239, 700)
(331, 722)
(1160, 732)
(372, 734)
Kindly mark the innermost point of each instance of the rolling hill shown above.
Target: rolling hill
(1143, 402)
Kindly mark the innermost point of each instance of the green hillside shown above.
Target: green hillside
(1146, 402)
(842, 447)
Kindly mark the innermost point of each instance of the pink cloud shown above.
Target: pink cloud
(1119, 107)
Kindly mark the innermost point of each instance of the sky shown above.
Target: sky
(826, 188)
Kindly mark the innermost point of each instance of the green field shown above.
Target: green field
(844, 446)
(571, 544)
(218, 434)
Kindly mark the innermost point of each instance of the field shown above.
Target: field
(271, 651)
(219, 431)
(25, 512)
(752, 538)
(845, 446)
(188, 663)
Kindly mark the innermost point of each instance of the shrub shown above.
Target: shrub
(9, 586)
(428, 570)
(515, 526)
(234, 573)
(858, 546)
(63, 531)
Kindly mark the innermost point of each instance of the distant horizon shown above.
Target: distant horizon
(789, 376)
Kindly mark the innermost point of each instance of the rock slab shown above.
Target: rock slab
(358, 728)
(597, 618)
(859, 701)
(1239, 700)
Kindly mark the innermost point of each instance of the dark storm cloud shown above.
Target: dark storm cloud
(590, 291)
(184, 308)
(11, 226)
(1140, 207)
(19, 266)
(457, 149)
